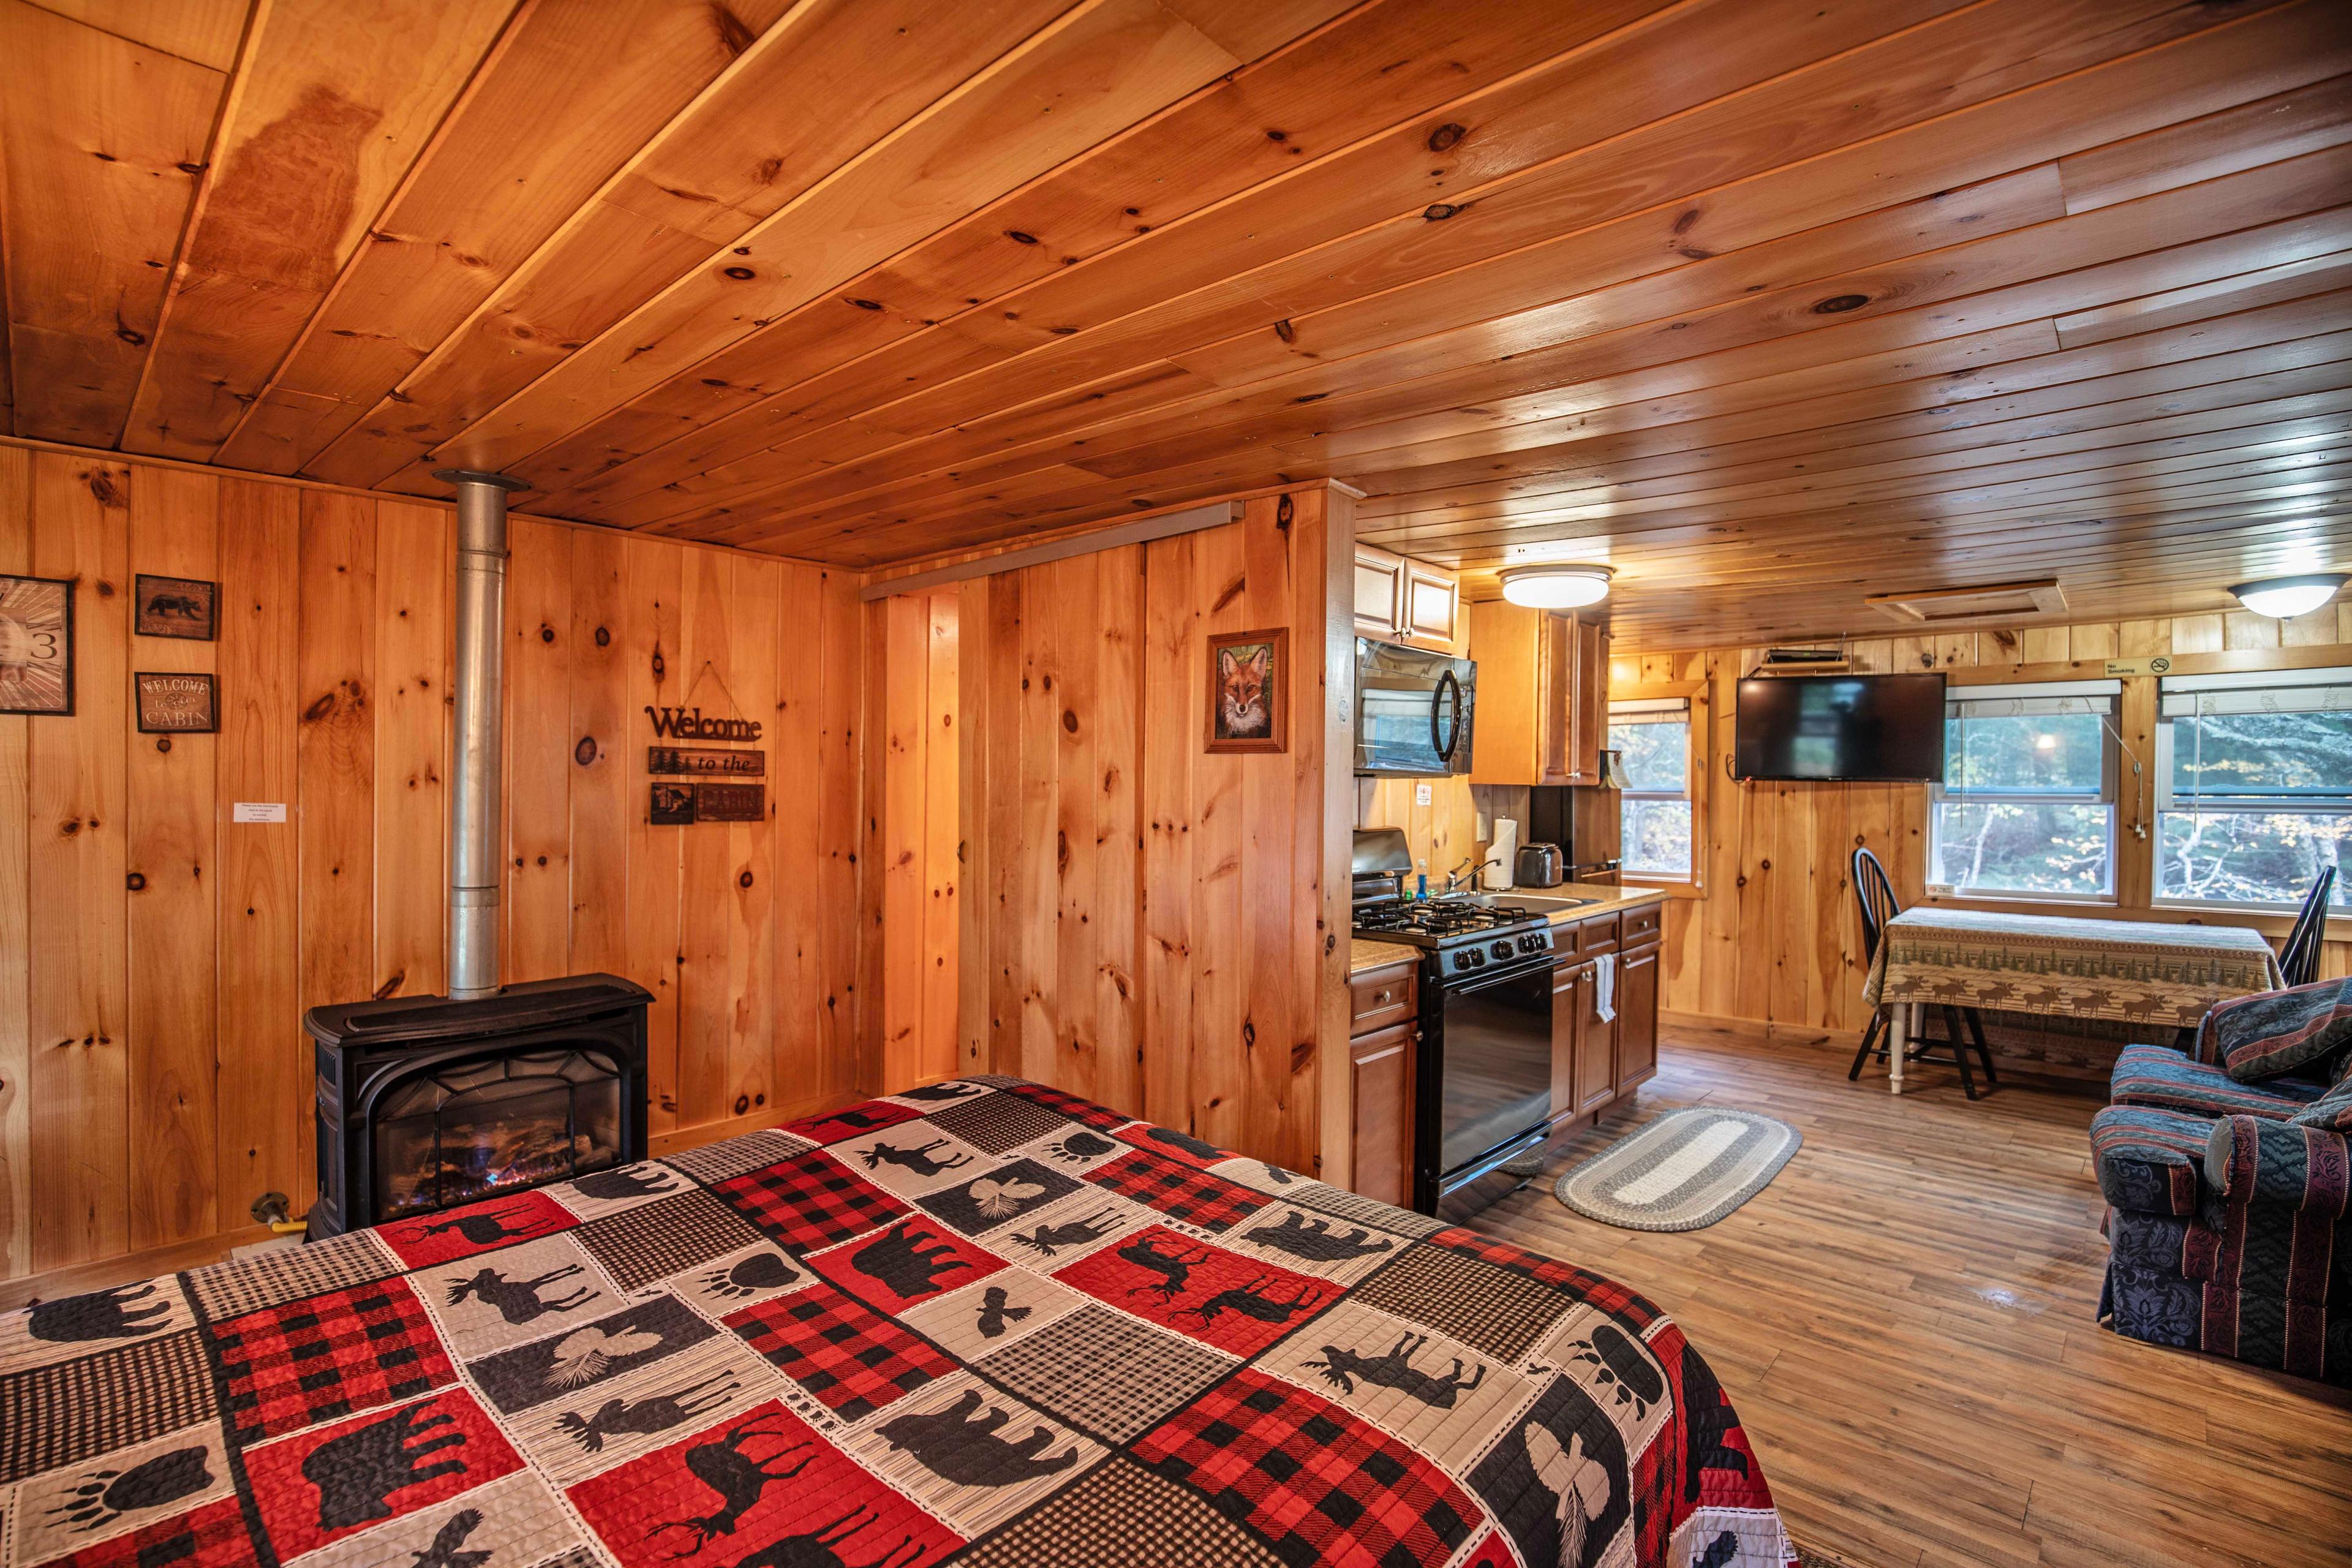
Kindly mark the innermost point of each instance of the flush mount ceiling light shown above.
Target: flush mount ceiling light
(2284, 597)
(1561, 587)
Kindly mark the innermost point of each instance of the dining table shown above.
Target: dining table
(2164, 975)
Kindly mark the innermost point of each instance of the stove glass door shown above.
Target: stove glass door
(1496, 1047)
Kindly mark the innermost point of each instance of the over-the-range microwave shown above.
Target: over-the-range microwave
(1413, 711)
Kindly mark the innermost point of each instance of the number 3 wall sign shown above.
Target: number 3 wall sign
(35, 645)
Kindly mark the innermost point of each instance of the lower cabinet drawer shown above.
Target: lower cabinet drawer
(1381, 997)
(1642, 924)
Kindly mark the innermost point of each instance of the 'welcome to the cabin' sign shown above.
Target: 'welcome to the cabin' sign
(676, 804)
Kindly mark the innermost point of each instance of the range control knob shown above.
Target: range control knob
(1502, 950)
(1461, 961)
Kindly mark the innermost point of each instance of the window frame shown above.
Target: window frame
(1698, 741)
(2167, 804)
(2107, 796)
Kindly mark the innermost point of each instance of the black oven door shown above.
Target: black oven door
(1487, 1080)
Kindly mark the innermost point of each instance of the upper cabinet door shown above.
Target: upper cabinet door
(1433, 605)
(1380, 593)
(1543, 695)
(1588, 704)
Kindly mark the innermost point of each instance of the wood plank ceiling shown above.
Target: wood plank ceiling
(1772, 304)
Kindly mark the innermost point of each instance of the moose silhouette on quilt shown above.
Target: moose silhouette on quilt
(980, 1322)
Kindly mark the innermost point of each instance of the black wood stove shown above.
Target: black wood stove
(427, 1103)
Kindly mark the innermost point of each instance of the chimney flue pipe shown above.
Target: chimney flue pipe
(477, 769)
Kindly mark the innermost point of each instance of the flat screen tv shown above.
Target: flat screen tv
(1860, 728)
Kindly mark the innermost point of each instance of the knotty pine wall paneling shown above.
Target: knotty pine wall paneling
(265, 1105)
(156, 957)
(1144, 923)
(1774, 939)
(171, 911)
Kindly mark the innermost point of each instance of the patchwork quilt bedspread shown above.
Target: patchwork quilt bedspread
(981, 1322)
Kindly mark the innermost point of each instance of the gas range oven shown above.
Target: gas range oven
(1483, 1092)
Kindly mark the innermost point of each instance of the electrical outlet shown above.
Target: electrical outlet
(1422, 794)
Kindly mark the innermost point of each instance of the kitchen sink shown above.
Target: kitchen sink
(1546, 901)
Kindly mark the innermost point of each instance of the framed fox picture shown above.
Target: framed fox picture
(37, 651)
(1249, 683)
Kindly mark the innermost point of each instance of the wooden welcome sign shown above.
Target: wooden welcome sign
(671, 803)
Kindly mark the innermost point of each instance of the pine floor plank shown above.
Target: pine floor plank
(1905, 1320)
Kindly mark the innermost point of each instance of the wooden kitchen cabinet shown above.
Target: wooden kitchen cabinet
(1543, 695)
(1382, 1057)
(1433, 605)
(1399, 599)
(1595, 1060)
(1637, 1017)
(1380, 593)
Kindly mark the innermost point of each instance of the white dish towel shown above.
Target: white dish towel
(1604, 986)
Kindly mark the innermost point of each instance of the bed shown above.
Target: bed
(981, 1322)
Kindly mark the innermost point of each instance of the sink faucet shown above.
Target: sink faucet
(1454, 879)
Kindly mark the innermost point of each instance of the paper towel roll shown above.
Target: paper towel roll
(1504, 849)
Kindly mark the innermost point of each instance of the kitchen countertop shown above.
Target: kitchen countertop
(1364, 953)
(1608, 901)
(1367, 952)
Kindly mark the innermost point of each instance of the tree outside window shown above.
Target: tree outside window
(2027, 807)
(1652, 738)
(2254, 786)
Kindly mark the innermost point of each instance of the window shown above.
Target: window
(2253, 785)
(2028, 804)
(1652, 738)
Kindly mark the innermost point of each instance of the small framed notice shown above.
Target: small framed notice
(257, 811)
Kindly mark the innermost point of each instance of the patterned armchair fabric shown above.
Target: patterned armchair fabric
(2160, 1079)
(2273, 1032)
(2230, 1230)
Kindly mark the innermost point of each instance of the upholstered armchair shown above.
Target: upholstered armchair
(2228, 1183)
(2229, 1236)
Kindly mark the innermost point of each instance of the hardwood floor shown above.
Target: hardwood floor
(1904, 1320)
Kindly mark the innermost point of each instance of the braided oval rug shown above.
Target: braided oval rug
(1681, 1171)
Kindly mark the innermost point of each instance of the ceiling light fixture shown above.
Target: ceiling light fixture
(1561, 587)
(2286, 597)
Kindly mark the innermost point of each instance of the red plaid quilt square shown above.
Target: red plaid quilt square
(913, 1260)
(477, 1227)
(1206, 1293)
(1319, 1485)
(1178, 1191)
(849, 1121)
(1080, 1110)
(810, 1201)
(853, 1360)
(310, 1361)
(321, 1486)
(765, 1488)
(212, 1536)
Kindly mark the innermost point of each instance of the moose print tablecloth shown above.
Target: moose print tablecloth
(980, 1322)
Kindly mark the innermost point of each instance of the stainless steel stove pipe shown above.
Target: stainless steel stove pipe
(476, 782)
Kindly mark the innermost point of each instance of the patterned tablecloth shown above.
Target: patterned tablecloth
(2134, 971)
